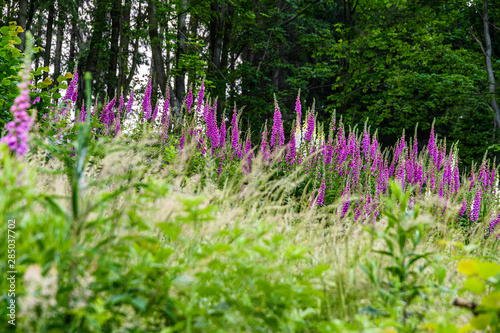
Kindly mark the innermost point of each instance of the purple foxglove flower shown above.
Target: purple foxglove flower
(463, 209)
(118, 124)
(70, 92)
(277, 133)
(415, 146)
(235, 136)
(298, 109)
(37, 99)
(492, 174)
(74, 96)
(494, 223)
(373, 148)
(206, 112)
(365, 143)
(249, 156)
(181, 141)
(482, 174)
(456, 179)
(82, 114)
(345, 209)
(189, 99)
(431, 147)
(146, 103)
(107, 115)
(120, 107)
(165, 119)
(111, 117)
(476, 206)
(201, 94)
(212, 130)
(290, 157)
(18, 129)
(155, 113)
(222, 133)
(130, 102)
(264, 147)
(472, 181)
(166, 107)
(310, 126)
(321, 193)
(329, 153)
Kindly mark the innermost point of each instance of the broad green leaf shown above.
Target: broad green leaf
(318, 270)
(488, 269)
(481, 321)
(169, 229)
(68, 75)
(491, 301)
(474, 285)
(4, 30)
(61, 79)
(139, 303)
(468, 267)
(41, 85)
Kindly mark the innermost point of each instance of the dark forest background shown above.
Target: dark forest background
(395, 62)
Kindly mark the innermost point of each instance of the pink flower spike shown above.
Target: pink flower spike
(189, 99)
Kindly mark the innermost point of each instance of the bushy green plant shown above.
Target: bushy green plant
(10, 66)
(399, 281)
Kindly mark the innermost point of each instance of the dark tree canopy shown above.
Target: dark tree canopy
(395, 63)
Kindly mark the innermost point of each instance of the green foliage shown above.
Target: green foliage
(10, 66)
(401, 280)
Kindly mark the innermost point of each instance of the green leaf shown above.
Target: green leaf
(17, 40)
(169, 229)
(474, 285)
(318, 270)
(488, 269)
(4, 30)
(16, 53)
(41, 85)
(468, 267)
(6, 82)
(491, 301)
(139, 303)
(61, 79)
(481, 321)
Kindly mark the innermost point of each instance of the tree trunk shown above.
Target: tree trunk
(489, 67)
(193, 28)
(156, 53)
(95, 41)
(72, 42)
(21, 21)
(31, 14)
(180, 85)
(136, 51)
(124, 45)
(48, 42)
(114, 49)
(216, 31)
(59, 41)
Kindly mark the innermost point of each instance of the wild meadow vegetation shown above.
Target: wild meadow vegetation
(131, 219)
